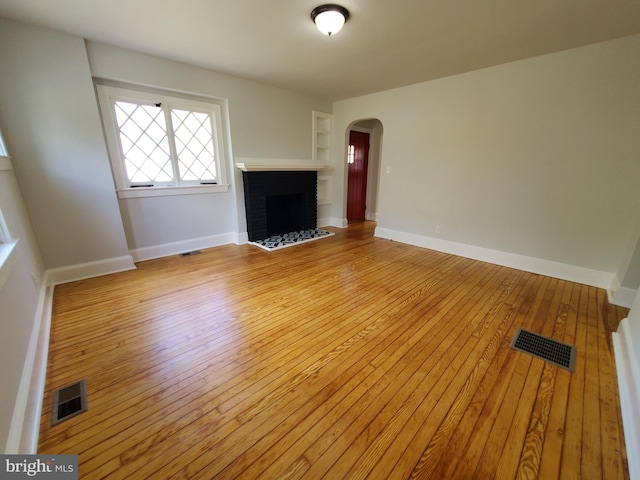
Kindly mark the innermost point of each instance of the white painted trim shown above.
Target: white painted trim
(325, 189)
(144, 192)
(242, 238)
(5, 163)
(331, 222)
(323, 222)
(529, 264)
(355, 128)
(278, 164)
(5, 236)
(622, 296)
(175, 248)
(7, 251)
(25, 421)
(613, 288)
(628, 369)
(31, 426)
(109, 94)
(81, 271)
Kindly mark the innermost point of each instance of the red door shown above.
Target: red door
(358, 161)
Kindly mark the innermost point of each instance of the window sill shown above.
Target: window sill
(168, 191)
(7, 255)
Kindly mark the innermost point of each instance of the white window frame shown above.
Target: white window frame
(5, 164)
(7, 243)
(4, 230)
(216, 108)
(3, 148)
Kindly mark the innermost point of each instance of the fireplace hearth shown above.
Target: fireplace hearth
(279, 202)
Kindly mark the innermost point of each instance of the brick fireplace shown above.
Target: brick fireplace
(278, 202)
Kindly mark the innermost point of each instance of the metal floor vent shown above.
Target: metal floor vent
(188, 254)
(69, 401)
(547, 349)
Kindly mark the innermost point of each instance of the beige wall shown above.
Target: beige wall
(50, 122)
(265, 122)
(538, 158)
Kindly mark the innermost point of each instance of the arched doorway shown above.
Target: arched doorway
(364, 146)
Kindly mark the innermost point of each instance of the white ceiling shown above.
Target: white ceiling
(385, 43)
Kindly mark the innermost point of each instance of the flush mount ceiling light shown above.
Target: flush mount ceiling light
(329, 18)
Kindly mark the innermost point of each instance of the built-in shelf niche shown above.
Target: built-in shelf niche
(324, 190)
(321, 152)
(322, 137)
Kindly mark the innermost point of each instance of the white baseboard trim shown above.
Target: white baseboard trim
(529, 264)
(628, 369)
(330, 222)
(175, 248)
(81, 271)
(242, 238)
(25, 422)
(324, 222)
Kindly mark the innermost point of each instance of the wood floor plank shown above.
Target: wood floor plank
(231, 441)
(473, 423)
(529, 464)
(382, 363)
(613, 450)
(504, 417)
(360, 431)
(397, 345)
(591, 442)
(571, 464)
(350, 357)
(511, 458)
(234, 362)
(551, 454)
(437, 442)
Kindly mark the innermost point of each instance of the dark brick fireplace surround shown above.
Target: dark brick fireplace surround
(279, 202)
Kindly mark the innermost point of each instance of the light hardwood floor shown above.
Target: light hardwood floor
(348, 357)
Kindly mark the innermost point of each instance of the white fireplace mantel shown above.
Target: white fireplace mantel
(278, 164)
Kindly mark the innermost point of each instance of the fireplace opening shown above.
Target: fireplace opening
(279, 202)
(285, 213)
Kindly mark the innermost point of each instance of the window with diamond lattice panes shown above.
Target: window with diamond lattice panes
(194, 146)
(144, 143)
(161, 141)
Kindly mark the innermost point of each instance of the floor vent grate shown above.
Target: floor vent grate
(547, 349)
(189, 254)
(69, 401)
